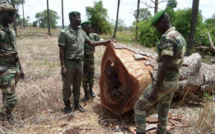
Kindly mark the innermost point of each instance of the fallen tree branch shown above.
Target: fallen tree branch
(206, 48)
(211, 42)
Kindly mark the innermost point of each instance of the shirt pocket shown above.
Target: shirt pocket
(72, 44)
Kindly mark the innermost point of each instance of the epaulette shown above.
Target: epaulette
(64, 30)
(94, 34)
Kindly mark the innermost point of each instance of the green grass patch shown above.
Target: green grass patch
(44, 63)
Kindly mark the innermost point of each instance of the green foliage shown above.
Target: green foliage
(42, 19)
(183, 26)
(210, 22)
(98, 17)
(147, 34)
(34, 24)
(171, 4)
(144, 14)
(17, 2)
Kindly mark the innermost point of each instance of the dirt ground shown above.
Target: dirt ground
(40, 102)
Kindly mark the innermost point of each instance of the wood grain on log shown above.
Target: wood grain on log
(126, 72)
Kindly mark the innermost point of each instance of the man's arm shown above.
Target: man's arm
(97, 43)
(22, 74)
(62, 59)
(161, 75)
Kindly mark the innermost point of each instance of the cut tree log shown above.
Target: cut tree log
(126, 72)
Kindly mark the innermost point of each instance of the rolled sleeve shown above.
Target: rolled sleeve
(62, 39)
(167, 48)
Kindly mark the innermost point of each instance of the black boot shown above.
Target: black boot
(10, 119)
(86, 95)
(91, 91)
(67, 108)
(77, 106)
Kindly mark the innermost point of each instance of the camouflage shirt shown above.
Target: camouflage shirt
(7, 42)
(8, 55)
(74, 41)
(90, 50)
(172, 44)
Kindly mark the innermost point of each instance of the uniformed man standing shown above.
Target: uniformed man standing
(89, 67)
(10, 67)
(171, 52)
(71, 44)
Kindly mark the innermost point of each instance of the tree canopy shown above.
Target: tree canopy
(144, 14)
(98, 17)
(16, 2)
(42, 19)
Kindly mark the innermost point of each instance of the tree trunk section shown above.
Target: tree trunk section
(117, 16)
(156, 7)
(48, 19)
(62, 14)
(23, 13)
(14, 19)
(137, 19)
(194, 17)
(125, 73)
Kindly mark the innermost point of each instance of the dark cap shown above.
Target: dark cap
(6, 8)
(73, 13)
(85, 23)
(157, 16)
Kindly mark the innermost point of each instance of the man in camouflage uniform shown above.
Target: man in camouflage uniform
(71, 44)
(10, 67)
(89, 68)
(171, 52)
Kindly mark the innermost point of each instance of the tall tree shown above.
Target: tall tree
(42, 19)
(137, 19)
(48, 19)
(194, 16)
(14, 20)
(62, 14)
(23, 12)
(144, 14)
(117, 16)
(98, 17)
(171, 4)
(155, 4)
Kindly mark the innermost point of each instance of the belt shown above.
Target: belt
(7, 60)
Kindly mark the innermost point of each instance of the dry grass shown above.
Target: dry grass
(40, 98)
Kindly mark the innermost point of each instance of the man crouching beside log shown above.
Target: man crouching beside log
(171, 52)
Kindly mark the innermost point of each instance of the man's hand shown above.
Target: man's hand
(63, 70)
(153, 96)
(22, 74)
(107, 42)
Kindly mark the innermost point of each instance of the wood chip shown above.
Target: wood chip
(152, 120)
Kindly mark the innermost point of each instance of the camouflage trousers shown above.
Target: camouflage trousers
(72, 78)
(164, 98)
(8, 81)
(89, 71)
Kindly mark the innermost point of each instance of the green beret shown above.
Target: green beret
(85, 23)
(6, 8)
(157, 16)
(73, 13)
